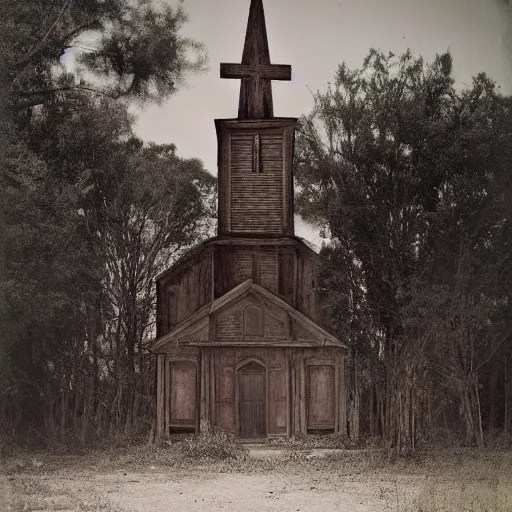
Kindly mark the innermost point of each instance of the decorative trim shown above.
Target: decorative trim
(250, 360)
(320, 361)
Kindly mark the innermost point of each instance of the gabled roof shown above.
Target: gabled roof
(234, 295)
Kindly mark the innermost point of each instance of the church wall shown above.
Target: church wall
(304, 389)
(250, 319)
(305, 292)
(255, 176)
(287, 275)
(184, 294)
(225, 375)
(278, 398)
(283, 270)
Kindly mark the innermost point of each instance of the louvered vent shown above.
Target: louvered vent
(256, 183)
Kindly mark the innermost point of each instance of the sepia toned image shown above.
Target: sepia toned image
(255, 255)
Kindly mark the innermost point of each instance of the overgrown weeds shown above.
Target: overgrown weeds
(465, 481)
(327, 441)
(181, 451)
(215, 445)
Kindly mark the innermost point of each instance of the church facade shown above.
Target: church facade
(241, 341)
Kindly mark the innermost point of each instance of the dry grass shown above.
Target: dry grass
(451, 481)
(466, 481)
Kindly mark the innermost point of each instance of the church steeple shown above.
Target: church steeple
(256, 150)
(256, 71)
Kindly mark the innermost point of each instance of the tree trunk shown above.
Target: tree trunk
(491, 399)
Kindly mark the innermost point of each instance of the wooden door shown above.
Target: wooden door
(252, 401)
(183, 389)
(320, 397)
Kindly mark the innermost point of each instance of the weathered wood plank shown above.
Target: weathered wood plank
(204, 423)
(167, 395)
(160, 396)
(302, 405)
(342, 397)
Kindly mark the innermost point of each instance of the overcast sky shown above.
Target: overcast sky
(314, 36)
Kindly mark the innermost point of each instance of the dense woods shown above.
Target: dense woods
(89, 214)
(410, 180)
(408, 177)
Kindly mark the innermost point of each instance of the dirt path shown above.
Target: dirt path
(158, 491)
(139, 481)
(238, 492)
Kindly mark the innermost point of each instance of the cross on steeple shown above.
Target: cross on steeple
(255, 71)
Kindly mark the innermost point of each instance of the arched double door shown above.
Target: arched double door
(252, 400)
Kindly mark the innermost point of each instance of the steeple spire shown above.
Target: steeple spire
(256, 71)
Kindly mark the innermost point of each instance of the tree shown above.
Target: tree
(69, 154)
(122, 48)
(159, 208)
(470, 265)
(87, 228)
(387, 152)
(46, 274)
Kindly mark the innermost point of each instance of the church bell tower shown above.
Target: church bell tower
(256, 150)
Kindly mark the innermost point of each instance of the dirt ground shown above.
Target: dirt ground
(336, 482)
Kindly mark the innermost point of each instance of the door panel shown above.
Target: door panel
(321, 405)
(252, 401)
(183, 388)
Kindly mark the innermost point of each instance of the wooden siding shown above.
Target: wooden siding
(255, 176)
(287, 285)
(256, 204)
(262, 264)
(225, 389)
(256, 191)
(229, 324)
(277, 396)
(268, 268)
(224, 274)
(179, 299)
(244, 262)
(285, 271)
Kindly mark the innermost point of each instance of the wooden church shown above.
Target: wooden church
(239, 342)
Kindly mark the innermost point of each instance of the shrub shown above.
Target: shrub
(213, 445)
